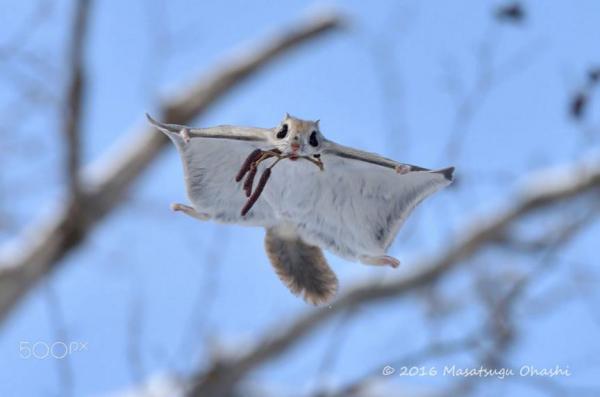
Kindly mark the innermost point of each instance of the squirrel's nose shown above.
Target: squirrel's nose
(295, 146)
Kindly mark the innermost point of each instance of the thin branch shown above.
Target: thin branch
(333, 349)
(197, 324)
(59, 325)
(558, 240)
(488, 77)
(501, 324)
(415, 358)
(39, 249)
(20, 38)
(74, 97)
(135, 327)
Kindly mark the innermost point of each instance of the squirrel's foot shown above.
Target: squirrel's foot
(186, 209)
(185, 135)
(383, 260)
(402, 169)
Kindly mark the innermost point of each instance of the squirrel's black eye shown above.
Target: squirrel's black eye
(313, 139)
(282, 132)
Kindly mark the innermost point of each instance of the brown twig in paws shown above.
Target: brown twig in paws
(259, 188)
(253, 168)
(247, 163)
(249, 181)
(316, 161)
(263, 179)
(254, 159)
(250, 166)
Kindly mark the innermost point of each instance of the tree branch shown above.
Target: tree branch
(74, 97)
(40, 248)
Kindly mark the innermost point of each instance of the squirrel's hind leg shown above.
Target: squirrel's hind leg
(383, 260)
(186, 209)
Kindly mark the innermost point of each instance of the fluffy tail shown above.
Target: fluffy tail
(300, 266)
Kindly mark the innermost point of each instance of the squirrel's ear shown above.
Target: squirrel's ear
(317, 123)
(287, 116)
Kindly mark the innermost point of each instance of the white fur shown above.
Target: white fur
(352, 208)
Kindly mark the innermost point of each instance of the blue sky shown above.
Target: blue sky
(180, 272)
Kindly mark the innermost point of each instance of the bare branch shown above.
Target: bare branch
(39, 250)
(74, 98)
(59, 325)
(430, 351)
(488, 77)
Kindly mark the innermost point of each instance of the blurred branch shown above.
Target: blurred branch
(511, 13)
(196, 330)
(20, 38)
(552, 237)
(556, 241)
(135, 327)
(502, 325)
(416, 358)
(58, 322)
(488, 76)
(547, 189)
(74, 99)
(40, 248)
(339, 336)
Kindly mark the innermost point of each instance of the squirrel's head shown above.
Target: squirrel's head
(297, 137)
